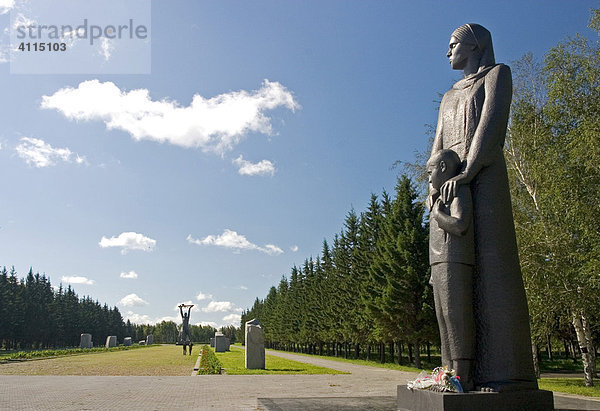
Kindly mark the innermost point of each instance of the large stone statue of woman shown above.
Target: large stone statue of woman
(472, 122)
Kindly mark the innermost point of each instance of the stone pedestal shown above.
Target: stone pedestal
(255, 345)
(220, 342)
(423, 400)
(86, 341)
(111, 341)
(150, 340)
(127, 341)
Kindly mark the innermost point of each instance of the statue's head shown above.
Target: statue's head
(442, 166)
(471, 41)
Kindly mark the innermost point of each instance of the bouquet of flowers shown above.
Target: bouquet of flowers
(441, 379)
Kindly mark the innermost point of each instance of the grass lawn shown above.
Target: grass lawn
(233, 362)
(570, 386)
(155, 360)
(370, 363)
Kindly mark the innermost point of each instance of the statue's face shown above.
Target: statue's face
(435, 170)
(459, 53)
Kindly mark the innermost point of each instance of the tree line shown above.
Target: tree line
(33, 315)
(370, 287)
(553, 154)
(366, 292)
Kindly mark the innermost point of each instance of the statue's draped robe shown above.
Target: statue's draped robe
(472, 122)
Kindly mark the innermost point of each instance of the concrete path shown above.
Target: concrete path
(366, 388)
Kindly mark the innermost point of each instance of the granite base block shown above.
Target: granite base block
(423, 400)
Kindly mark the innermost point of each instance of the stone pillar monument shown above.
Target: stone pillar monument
(111, 341)
(220, 342)
(86, 341)
(255, 345)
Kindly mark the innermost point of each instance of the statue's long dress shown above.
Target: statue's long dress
(472, 121)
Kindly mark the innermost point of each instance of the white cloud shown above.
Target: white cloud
(215, 124)
(39, 154)
(106, 48)
(246, 168)
(146, 319)
(201, 296)
(129, 241)
(132, 300)
(209, 323)
(271, 249)
(138, 318)
(175, 319)
(131, 275)
(6, 6)
(219, 306)
(294, 248)
(233, 319)
(231, 239)
(243, 287)
(77, 280)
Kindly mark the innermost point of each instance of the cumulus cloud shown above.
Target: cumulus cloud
(129, 241)
(209, 323)
(201, 296)
(77, 280)
(238, 242)
(243, 287)
(246, 168)
(146, 319)
(132, 300)
(39, 154)
(215, 124)
(138, 318)
(131, 275)
(294, 248)
(220, 306)
(233, 319)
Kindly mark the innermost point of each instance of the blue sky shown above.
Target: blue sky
(259, 126)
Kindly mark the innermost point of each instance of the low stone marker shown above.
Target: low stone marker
(127, 341)
(220, 342)
(86, 341)
(255, 345)
(142, 342)
(212, 342)
(111, 341)
(150, 340)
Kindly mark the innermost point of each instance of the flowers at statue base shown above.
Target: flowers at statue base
(441, 379)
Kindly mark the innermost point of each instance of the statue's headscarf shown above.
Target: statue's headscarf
(479, 36)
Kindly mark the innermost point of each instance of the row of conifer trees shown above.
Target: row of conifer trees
(365, 293)
(34, 315)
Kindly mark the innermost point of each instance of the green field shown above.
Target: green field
(154, 360)
(233, 363)
(570, 386)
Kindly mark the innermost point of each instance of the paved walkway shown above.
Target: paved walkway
(366, 388)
